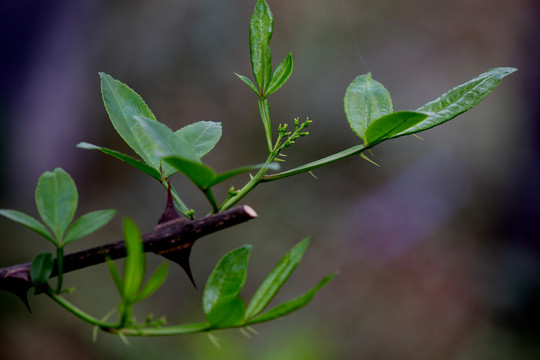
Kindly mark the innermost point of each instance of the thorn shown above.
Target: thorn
(252, 330)
(124, 338)
(312, 174)
(170, 211)
(214, 340)
(416, 136)
(95, 331)
(369, 160)
(244, 332)
(181, 257)
(18, 284)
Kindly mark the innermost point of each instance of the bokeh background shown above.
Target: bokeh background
(437, 248)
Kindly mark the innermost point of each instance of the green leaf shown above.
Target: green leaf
(264, 109)
(248, 82)
(275, 280)
(260, 33)
(205, 177)
(365, 101)
(224, 285)
(87, 224)
(389, 125)
(281, 74)
(29, 222)
(157, 139)
(227, 313)
(41, 268)
(122, 104)
(292, 305)
(459, 99)
(202, 136)
(115, 274)
(200, 174)
(128, 159)
(154, 283)
(135, 265)
(56, 200)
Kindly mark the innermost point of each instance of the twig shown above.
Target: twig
(173, 235)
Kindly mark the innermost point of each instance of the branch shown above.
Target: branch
(168, 237)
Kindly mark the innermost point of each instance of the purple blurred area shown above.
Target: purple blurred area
(438, 249)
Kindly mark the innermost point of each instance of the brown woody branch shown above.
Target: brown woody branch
(179, 233)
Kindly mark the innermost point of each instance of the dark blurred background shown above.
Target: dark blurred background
(438, 248)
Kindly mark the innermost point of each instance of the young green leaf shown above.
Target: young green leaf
(292, 305)
(154, 283)
(135, 265)
(459, 99)
(29, 222)
(264, 109)
(365, 101)
(224, 285)
(115, 274)
(87, 224)
(157, 139)
(227, 313)
(202, 136)
(56, 200)
(275, 280)
(128, 159)
(389, 125)
(260, 32)
(248, 82)
(122, 104)
(41, 268)
(281, 74)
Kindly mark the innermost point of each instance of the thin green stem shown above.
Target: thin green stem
(250, 185)
(163, 331)
(264, 109)
(279, 146)
(211, 199)
(180, 205)
(355, 150)
(76, 311)
(60, 268)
